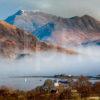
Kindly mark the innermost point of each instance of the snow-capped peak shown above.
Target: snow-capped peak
(20, 12)
(25, 11)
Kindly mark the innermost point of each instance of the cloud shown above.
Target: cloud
(65, 8)
(50, 63)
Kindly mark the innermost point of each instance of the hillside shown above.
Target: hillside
(14, 41)
(73, 31)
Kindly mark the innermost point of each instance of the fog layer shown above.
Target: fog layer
(50, 63)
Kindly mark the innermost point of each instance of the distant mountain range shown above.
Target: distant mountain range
(15, 42)
(73, 31)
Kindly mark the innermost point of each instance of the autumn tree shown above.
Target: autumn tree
(97, 88)
(66, 95)
(48, 85)
(83, 86)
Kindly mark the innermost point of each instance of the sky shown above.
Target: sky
(64, 8)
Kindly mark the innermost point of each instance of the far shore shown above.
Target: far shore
(56, 76)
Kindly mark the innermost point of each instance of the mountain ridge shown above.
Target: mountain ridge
(65, 31)
(15, 41)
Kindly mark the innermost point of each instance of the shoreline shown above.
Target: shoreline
(56, 77)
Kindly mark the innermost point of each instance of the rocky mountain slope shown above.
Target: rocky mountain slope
(62, 31)
(14, 41)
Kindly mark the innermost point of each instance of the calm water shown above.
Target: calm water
(23, 84)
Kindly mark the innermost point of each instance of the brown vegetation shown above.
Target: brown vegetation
(83, 89)
(14, 40)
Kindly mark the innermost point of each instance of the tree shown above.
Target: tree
(66, 95)
(97, 88)
(48, 85)
(83, 86)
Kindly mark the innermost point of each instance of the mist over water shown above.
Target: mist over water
(87, 62)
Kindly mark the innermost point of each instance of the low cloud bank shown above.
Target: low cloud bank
(50, 63)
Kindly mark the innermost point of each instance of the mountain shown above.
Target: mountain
(44, 31)
(16, 42)
(62, 31)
